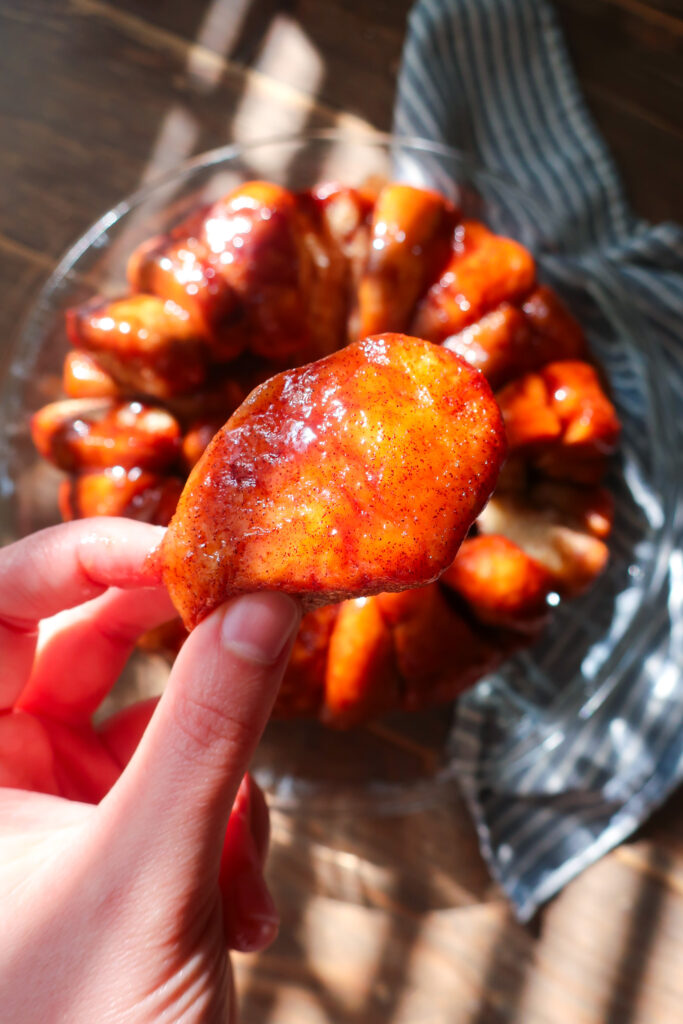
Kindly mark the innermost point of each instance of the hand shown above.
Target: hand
(124, 877)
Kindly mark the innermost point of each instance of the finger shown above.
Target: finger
(84, 768)
(259, 818)
(173, 802)
(71, 563)
(58, 568)
(122, 732)
(252, 803)
(27, 759)
(41, 754)
(82, 651)
(250, 919)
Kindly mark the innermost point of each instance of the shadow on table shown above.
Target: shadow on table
(359, 943)
(360, 890)
(639, 940)
(510, 961)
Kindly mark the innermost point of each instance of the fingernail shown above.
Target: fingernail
(258, 918)
(242, 802)
(256, 935)
(253, 920)
(259, 626)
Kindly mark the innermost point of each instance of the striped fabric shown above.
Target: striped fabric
(568, 749)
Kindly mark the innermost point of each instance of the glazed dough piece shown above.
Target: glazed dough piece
(134, 493)
(502, 585)
(81, 434)
(303, 687)
(84, 377)
(562, 527)
(510, 341)
(483, 271)
(358, 474)
(438, 654)
(561, 420)
(411, 235)
(179, 270)
(148, 346)
(361, 676)
(403, 650)
(258, 270)
(345, 215)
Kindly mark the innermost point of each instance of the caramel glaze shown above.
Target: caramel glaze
(135, 493)
(146, 345)
(83, 434)
(357, 474)
(410, 243)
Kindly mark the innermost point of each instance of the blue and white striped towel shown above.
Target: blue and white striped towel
(554, 783)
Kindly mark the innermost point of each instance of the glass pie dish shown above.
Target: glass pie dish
(404, 759)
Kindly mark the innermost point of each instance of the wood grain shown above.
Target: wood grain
(100, 107)
(375, 940)
(641, 49)
(635, 44)
(359, 44)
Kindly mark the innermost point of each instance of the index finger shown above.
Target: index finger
(58, 568)
(68, 564)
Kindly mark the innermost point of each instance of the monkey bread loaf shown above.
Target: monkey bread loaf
(329, 386)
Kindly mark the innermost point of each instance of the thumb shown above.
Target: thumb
(172, 803)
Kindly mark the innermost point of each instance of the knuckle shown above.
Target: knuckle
(211, 733)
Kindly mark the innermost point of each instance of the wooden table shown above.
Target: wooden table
(382, 920)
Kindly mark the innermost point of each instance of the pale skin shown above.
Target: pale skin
(124, 877)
